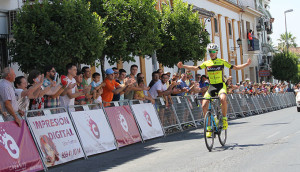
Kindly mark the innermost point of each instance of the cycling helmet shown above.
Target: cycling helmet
(212, 46)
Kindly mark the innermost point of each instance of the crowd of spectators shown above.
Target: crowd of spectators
(79, 86)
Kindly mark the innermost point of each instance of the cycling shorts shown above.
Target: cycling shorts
(215, 90)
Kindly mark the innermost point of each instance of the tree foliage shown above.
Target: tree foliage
(285, 67)
(282, 41)
(57, 32)
(133, 27)
(183, 36)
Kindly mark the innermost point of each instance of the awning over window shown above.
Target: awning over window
(203, 12)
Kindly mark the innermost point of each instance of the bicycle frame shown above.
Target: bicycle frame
(217, 113)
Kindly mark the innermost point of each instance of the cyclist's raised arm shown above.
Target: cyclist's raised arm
(180, 65)
(242, 66)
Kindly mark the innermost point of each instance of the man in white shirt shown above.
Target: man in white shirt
(8, 100)
(160, 89)
(68, 97)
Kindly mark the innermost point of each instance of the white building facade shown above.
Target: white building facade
(231, 21)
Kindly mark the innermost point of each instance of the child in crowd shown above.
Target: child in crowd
(97, 88)
(143, 95)
(84, 99)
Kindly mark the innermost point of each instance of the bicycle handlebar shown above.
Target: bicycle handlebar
(211, 98)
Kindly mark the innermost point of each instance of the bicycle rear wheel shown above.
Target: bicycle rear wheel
(222, 134)
(209, 141)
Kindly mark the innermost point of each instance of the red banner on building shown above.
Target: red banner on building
(264, 73)
(123, 125)
(17, 148)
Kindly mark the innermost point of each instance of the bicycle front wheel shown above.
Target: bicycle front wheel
(222, 134)
(208, 122)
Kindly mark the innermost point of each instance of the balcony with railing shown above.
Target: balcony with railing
(254, 46)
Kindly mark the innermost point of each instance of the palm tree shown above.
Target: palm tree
(290, 39)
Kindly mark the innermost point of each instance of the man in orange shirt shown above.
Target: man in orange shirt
(250, 37)
(112, 87)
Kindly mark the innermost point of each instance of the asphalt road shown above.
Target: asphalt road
(266, 142)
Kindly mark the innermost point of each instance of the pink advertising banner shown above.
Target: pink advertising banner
(17, 149)
(94, 131)
(148, 120)
(123, 125)
(56, 138)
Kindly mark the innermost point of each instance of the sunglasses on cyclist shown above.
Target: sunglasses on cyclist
(212, 51)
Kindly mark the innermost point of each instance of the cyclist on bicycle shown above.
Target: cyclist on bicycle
(215, 71)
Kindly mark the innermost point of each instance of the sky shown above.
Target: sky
(277, 8)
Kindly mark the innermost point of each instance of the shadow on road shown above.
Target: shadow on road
(234, 146)
(235, 123)
(279, 123)
(109, 160)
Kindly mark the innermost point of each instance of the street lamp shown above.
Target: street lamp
(239, 42)
(286, 38)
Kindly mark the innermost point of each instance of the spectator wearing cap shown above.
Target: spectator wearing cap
(155, 78)
(169, 81)
(112, 87)
(8, 100)
(68, 97)
(86, 72)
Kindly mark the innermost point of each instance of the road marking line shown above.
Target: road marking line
(273, 135)
(286, 137)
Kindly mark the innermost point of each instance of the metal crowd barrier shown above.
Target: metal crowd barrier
(262, 103)
(230, 110)
(267, 103)
(253, 109)
(278, 98)
(257, 105)
(236, 106)
(167, 115)
(243, 104)
(276, 102)
(196, 110)
(183, 111)
(272, 103)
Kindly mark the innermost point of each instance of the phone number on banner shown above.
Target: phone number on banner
(73, 152)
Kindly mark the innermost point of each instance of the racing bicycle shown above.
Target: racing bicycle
(213, 118)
